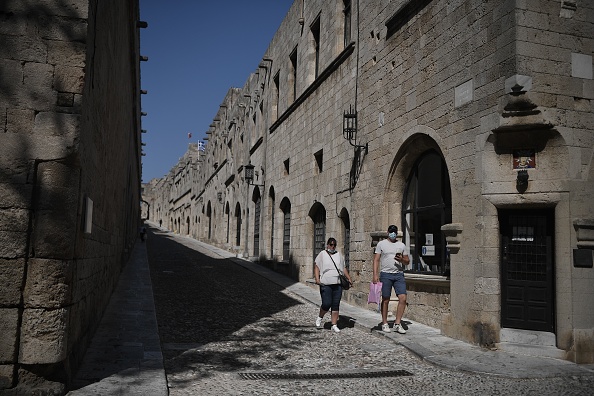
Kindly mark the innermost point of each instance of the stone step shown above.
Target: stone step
(530, 343)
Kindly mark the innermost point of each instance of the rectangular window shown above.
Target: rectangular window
(293, 76)
(276, 95)
(347, 22)
(319, 156)
(315, 33)
(404, 15)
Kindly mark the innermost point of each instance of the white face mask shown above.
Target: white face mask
(392, 235)
(330, 250)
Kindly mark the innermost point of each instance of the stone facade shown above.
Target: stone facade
(69, 179)
(474, 134)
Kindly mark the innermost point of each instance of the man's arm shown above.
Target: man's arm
(376, 262)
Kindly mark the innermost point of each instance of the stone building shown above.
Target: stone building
(469, 124)
(70, 172)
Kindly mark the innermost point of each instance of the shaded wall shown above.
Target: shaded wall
(69, 126)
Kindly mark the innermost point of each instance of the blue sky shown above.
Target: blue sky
(197, 50)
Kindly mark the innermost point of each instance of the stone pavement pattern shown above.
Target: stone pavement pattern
(221, 318)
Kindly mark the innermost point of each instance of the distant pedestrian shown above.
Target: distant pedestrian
(326, 275)
(142, 233)
(389, 260)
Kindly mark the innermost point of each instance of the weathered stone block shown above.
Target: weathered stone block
(20, 121)
(71, 8)
(53, 234)
(69, 79)
(3, 111)
(6, 376)
(55, 220)
(27, 49)
(9, 320)
(16, 220)
(15, 195)
(49, 283)
(12, 244)
(11, 279)
(43, 336)
(55, 176)
(57, 28)
(14, 146)
(486, 286)
(56, 124)
(66, 53)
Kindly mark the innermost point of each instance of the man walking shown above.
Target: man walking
(389, 260)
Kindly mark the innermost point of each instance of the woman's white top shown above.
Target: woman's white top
(328, 273)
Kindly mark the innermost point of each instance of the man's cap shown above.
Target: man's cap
(392, 228)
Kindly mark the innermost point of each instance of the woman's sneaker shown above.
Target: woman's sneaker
(386, 328)
(335, 329)
(319, 322)
(399, 329)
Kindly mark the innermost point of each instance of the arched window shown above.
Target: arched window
(286, 208)
(427, 206)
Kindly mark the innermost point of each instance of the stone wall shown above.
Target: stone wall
(60, 158)
(469, 80)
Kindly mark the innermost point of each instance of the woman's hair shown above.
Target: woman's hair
(331, 240)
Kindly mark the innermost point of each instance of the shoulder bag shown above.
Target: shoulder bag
(344, 281)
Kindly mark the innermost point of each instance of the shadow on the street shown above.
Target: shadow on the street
(201, 299)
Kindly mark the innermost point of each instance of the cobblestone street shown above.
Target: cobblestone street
(226, 330)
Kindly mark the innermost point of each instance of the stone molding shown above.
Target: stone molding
(584, 233)
(452, 234)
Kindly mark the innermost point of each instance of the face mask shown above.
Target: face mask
(392, 235)
(332, 251)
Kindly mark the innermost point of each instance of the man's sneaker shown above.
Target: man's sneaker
(318, 322)
(399, 329)
(386, 328)
(335, 329)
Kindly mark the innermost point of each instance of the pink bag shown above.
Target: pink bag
(375, 293)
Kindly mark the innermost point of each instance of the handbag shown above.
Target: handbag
(344, 281)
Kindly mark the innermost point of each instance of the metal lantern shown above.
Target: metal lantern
(249, 172)
(349, 127)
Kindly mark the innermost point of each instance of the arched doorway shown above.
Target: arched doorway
(346, 235)
(318, 216)
(285, 206)
(257, 199)
(209, 215)
(237, 225)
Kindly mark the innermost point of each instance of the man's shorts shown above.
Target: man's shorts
(390, 281)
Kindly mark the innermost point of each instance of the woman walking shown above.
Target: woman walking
(327, 264)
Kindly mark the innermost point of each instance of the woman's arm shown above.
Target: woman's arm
(316, 274)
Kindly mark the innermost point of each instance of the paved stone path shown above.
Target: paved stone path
(221, 324)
